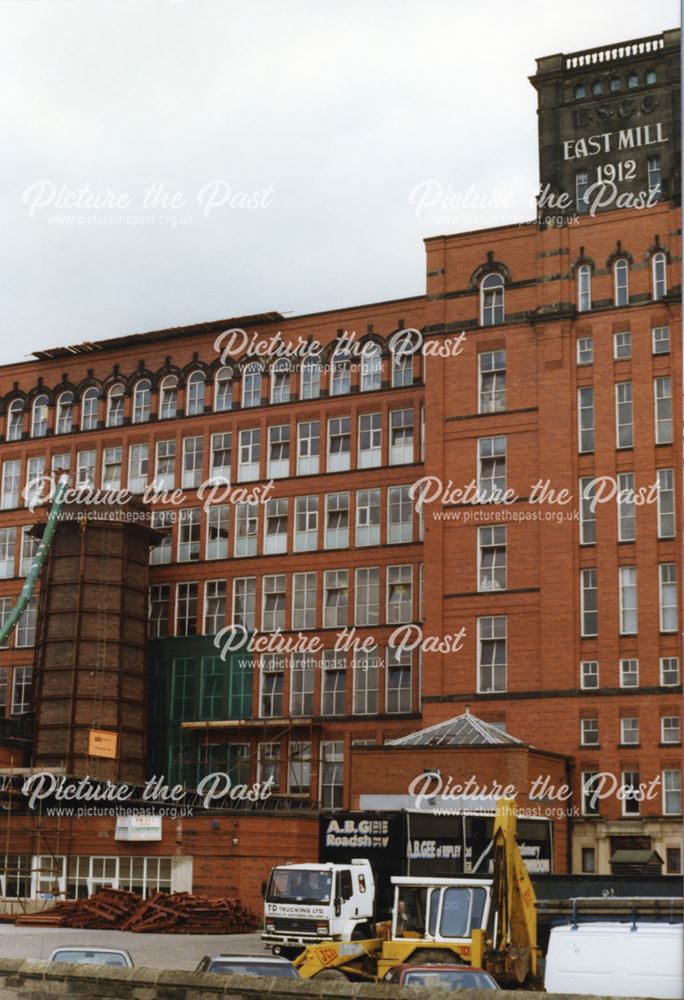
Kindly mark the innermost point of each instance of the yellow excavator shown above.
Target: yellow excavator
(486, 923)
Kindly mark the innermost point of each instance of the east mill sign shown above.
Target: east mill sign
(614, 142)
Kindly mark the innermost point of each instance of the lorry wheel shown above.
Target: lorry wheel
(362, 932)
(330, 974)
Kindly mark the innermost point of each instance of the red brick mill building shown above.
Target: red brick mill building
(551, 360)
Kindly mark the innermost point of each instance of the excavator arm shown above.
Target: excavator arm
(514, 955)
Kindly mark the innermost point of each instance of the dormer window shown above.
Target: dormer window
(584, 288)
(142, 401)
(168, 397)
(251, 385)
(280, 381)
(659, 273)
(15, 420)
(115, 406)
(89, 405)
(371, 368)
(621, 282)
(65, 411)
(39, 421)
(194, 394)
(223, 390)
(491, 300)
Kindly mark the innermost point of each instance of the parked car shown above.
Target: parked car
(93, 956)
(445, 977)
(249, 965)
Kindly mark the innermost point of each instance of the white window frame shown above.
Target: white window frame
(249, 454)
(306, 511)
(369, 533)
(491, 624)
(588, 672)
(308, 447)
(371, 457)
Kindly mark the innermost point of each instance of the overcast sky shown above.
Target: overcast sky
(345, 123)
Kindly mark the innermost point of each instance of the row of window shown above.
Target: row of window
(377, 685)
(625, 499)
(282, 384)
(620, 268)
(341, 525)
(624, 414)
(26, 876)
(631, 794)
(628, 603)
(492, 659)
(622, 345)
(673, 860)
(288, 769)
(629, 673)
(189, 468)
(338, 607)
(492, 304)
(670, 730)
(614, 84)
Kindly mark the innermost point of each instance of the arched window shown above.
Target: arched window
(579, 91)
(633, 81)
(15, 420)
(371, 368)
(621, 282)
(39, 421)
(340, 373)
(251, 385)
(223, 390)
(491, 300)
(115, 405)
(597, 87)
(615, 84)
(584, 288)
(311, 377)
(89, 406)
(651, 76)
(142, 401)
(194, 394)
(65, 413)
(659, 270)
(280, 381)
(168, 397)
(402, 368)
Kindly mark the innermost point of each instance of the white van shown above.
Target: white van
(617, 960)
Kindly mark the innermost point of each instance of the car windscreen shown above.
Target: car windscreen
(293, 886)
(282, 971)
(448, 979)
(90, 957)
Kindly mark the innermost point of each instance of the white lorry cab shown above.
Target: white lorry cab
(308, 903)
(631, 959)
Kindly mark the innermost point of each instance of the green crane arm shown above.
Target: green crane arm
(39, 559)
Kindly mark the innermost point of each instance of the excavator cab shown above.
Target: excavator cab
(439, 909)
